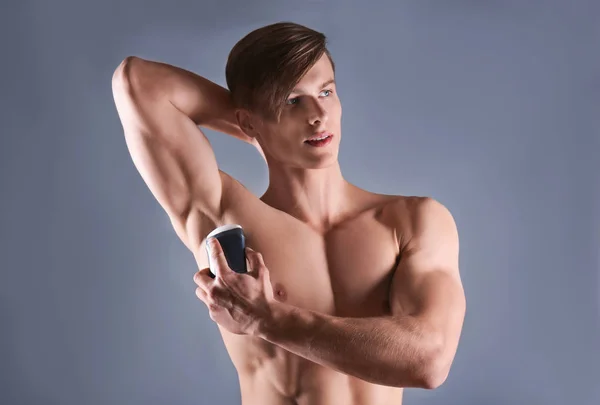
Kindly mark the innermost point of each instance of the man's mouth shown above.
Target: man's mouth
(319, 136)
(320, 139)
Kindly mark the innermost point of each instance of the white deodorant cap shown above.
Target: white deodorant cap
(223, 228)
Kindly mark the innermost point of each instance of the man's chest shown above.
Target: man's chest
(346, 272)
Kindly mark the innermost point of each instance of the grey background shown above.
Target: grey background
(489, 106)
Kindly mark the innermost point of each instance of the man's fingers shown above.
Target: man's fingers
(207, 289)
(257, 264)
(217, 257)
(200, 293)
(209, 301)
(203, 278)
(251, 261)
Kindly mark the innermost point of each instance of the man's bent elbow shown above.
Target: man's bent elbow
(123, 74)
(434, 381)
(435, 375)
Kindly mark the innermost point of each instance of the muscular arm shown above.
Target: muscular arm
(392, 351)
(214, 109)
(415, 346)
(160, 107)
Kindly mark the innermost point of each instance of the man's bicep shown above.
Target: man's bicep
(427, 284)
(419, 287)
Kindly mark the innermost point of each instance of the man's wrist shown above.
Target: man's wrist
(282, 321)
(275, 316)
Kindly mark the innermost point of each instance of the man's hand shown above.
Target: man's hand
(240, 303)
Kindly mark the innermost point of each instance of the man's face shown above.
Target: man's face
(311, 108)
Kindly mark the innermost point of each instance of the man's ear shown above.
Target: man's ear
(245, 122)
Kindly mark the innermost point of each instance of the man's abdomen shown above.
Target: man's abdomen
(302, 382)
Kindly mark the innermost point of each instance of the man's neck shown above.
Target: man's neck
(318, 197)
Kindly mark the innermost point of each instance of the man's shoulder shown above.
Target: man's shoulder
(416, 206)
(412, 206)
(405, 212)
(411, 215)
(402, 208)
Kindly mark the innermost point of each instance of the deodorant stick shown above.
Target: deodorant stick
(233, 242)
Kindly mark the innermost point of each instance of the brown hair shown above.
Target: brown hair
(265, 65)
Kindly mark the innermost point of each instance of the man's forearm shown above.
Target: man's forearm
(381, 350)
(204, 102)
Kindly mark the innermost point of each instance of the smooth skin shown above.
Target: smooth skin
(351, 295)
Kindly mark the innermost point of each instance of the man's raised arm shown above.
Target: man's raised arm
(160, 107)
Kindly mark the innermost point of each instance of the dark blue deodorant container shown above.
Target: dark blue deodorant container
(232, 240)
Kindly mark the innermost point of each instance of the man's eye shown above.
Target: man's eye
(327, 91)
(293, 100)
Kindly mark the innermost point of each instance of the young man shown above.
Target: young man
(354, 295)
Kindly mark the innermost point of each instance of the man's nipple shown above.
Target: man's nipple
(279, 292)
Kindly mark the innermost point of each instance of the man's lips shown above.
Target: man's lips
(319, 135)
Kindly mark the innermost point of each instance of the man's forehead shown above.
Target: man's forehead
(320, 74)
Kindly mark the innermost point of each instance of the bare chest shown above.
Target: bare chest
(346, 272)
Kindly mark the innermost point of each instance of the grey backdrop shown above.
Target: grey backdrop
(489, 106)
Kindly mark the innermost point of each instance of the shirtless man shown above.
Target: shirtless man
(354, 295)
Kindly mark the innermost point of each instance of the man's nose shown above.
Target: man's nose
(317, 113)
